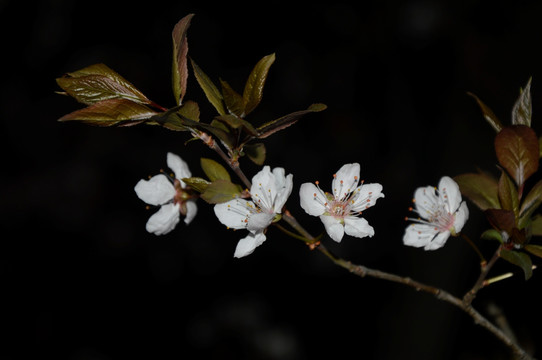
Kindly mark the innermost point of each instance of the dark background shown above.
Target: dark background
(84, 280)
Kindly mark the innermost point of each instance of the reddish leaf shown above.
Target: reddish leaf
(98, 82)
(180, 50)
(111, 112)
(501, 219)
(517, 151)
(490, 117)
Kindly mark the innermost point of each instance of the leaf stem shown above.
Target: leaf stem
(475, 248)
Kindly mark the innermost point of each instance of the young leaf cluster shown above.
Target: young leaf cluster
(113, 101)
(508, 207)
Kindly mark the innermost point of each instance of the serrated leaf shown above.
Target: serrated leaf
(214, 170)
(211, 91)
(272, 127)
(220, 191)
(488, 114)
(180, 51)
(98, 82)
(534, 249)
(492, 234)
(517, 151)
(479, 188)
(111, 112)
(531, 203)
(508, 194)
(255, 152)
(196, 183)
(252, 94)
(233, 100)
(522, 110)
(519, 259)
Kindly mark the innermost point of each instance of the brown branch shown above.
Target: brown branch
(440, 294)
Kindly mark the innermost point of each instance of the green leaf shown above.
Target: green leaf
(236, 122)
(534, 249)
(252, 94)
(488, 114)
(519, 259)
(111, 112)
(234, 102)
(531, 203)
(492, 234)
(214, 170)
(272, 127)
(98, 82)
(196, 183)
(180, 50)
(508, 194)
(177, 118)
(479, 188)
(211, 91)
(255, 152)
(536, 225)
(220, 191)
(517, 151)
(522, 110)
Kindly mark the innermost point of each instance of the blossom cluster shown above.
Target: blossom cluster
(442, 213)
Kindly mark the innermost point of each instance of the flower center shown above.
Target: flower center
(443, 220)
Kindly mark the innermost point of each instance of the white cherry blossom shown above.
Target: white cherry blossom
(269, 192)
(441, 213)
(170, 195)
(340, 211)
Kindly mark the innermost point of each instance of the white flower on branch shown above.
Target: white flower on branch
(340, 211)
(441, 213)
(269, 192)
(170, 194)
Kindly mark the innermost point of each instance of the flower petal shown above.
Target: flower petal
(164, 220)
(427, 202)
(438, 241)
(419, 235)
(259, 221)
(234, 213)
(191, 211)
(263, 189)
(345, 180)
(449, 193)
(179, 167)
(461, 217)
(156, 191)
(247, 245)
(312, 199)
(283, 193)
(333, 226)
(365, 196)
(357, 227)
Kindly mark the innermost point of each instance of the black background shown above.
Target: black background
(83, 278)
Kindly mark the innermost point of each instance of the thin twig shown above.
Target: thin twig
(469, 296)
